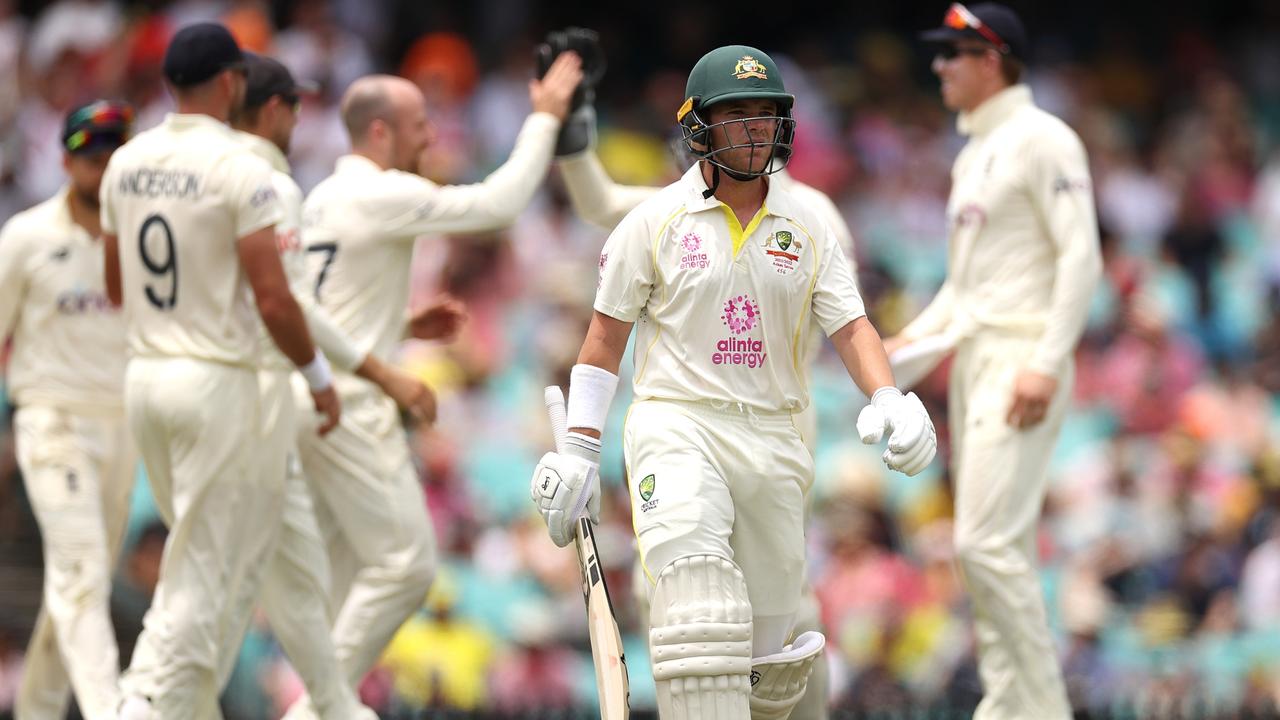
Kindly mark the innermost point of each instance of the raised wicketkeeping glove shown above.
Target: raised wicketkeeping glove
(579, 129)
(912, 439)
(567, 483)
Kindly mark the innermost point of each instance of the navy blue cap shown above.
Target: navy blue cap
(198, 52)
(989, 22)
(269, 77)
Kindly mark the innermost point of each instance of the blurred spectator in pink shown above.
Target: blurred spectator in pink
(1146, 370)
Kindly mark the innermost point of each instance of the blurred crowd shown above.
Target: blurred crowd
(1161, 535)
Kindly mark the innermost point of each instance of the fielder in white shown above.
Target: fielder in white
(66, 376)
(1023, 262)
(295, 589)
(188, 219)
(603, 202)
(359, 227)
(724, 272)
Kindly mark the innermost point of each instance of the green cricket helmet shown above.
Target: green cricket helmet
(736, 72)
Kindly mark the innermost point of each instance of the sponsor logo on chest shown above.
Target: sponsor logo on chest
(741, 315)
(782, 248)
(81, 302)
(288, 241)
(692, 254)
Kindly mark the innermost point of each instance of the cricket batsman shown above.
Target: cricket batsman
(603, 202)
(723, 272)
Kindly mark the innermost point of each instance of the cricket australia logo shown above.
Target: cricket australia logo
(741, 315)
(783, 250)
(646, 488)
(693, 257)
(604, 260)
(749, 67)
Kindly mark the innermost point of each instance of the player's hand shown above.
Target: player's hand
(410, 394)
(566, 484)
(328, 405)
(578, 132)
(439, 321)
(912, 439)
(553, 92)
(1032, 393)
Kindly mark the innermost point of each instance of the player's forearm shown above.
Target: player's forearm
(511, 186)
(287, 327)
(862, 353)
(603, 348)
(595, 196)
(331, 339)
(936, 315)
(1078, 271)
(495, 202)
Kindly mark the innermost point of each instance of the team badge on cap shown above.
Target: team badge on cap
(749, 67)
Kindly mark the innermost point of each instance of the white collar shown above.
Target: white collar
(994, 110)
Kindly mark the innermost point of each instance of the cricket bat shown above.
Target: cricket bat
(602, 626)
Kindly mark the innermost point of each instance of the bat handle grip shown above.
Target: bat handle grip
(554, 399)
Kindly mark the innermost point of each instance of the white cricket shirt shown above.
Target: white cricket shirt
(601, 201)
(722, 312)
(335, 344)
(359, 224)
(68, 341)
(179, 197)
(1023, 252)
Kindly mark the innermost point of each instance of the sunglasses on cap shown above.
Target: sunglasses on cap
(951, 52)
(960, 18)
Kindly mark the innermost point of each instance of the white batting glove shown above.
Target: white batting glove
(912, 440)
(567, 483)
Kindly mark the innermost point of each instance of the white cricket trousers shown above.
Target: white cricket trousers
(295, 589)
(372, 513)
(1001, 474)
(814, 704)
(198, 427)
(727, 482)
(78, 467)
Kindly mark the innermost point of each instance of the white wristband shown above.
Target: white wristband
(317, 373)
(591, 392)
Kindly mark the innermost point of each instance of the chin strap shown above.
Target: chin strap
(740, 177)
(715, 182)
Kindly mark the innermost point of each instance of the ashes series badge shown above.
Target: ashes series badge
(783, 248)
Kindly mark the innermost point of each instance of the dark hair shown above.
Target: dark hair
(1011, 68)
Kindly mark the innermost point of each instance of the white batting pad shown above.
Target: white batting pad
(700, 640)
(778, 681)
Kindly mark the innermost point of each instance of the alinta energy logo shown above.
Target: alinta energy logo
(693, 257)
(741, 315)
